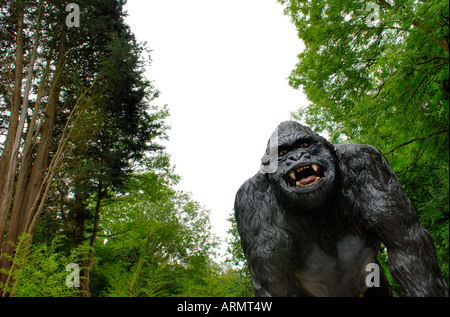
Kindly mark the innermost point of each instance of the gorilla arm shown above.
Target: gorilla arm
(263, 238)
(370, 183)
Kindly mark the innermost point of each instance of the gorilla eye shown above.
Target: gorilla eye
(302, 143)
(283, 152)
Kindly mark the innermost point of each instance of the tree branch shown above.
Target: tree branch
(384, 3)
(113, 234)
(417, 139)
(418, 156)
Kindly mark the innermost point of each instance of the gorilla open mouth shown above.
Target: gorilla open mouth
(305, 176)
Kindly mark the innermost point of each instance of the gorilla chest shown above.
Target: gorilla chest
(341, 274)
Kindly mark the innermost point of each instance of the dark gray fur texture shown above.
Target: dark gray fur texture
(316, 240)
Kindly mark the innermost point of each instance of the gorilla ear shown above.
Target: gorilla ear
(269, 161)
(265, 168)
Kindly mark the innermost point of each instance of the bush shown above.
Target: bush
(39, 270)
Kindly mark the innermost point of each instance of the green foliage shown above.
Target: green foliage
(39, 270)
(434, 214)
(218, 282)
(113, 184)
(150, 240)
(155, 241)
(382, 258)
(380, 85)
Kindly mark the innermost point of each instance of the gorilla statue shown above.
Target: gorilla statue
(312, 219)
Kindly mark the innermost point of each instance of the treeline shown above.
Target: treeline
(152, 241)
(84, 180)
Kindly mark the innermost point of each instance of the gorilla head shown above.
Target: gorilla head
(306, 167)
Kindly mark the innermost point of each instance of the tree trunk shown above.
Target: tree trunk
(26, 194)
(33, 131)
(6, 184)
(86, 272)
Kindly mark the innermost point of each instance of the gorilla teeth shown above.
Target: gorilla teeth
(305, 176)
(302, 168)
(315, 167)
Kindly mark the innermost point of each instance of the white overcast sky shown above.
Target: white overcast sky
(222, 69)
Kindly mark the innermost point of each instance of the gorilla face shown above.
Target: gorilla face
(306, 167)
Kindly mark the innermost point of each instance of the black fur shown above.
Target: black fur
(317, 240)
